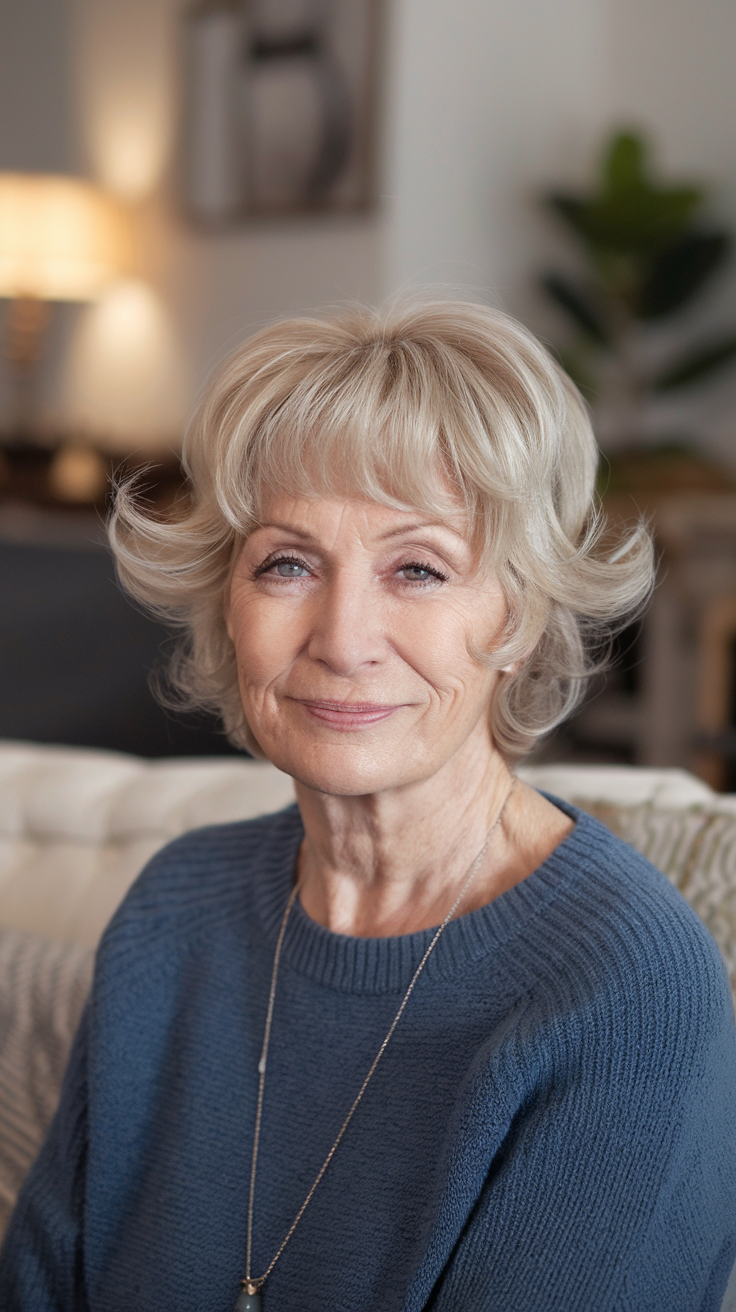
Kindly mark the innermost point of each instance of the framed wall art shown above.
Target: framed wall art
(279, 107)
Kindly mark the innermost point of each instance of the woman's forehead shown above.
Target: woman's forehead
(303, 514)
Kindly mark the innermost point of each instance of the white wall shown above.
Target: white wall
(490, 101)
(670, 64)
(37, 128)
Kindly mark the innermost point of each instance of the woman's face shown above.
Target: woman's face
(354, 627)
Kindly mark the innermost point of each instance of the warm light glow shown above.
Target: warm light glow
(60, 238)
(125, 384)
(130, 152)
(78, 473)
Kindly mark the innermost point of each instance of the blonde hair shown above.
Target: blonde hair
(392, 407)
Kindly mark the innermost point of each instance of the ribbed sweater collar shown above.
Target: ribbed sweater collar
(384, 965)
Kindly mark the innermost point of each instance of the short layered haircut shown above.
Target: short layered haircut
(425, 405)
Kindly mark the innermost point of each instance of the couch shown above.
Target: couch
(76, 827)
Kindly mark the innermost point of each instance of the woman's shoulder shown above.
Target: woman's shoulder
(204, 877)
(616, 927)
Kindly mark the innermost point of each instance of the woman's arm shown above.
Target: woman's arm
(41, 1263)
(613, 1187)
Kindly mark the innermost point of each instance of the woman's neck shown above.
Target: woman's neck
(392, 863)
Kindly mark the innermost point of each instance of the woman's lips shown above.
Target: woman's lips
(349, 715)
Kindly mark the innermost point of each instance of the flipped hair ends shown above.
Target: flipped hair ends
(397, 406)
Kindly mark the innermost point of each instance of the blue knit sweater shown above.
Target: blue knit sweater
(552, 1127)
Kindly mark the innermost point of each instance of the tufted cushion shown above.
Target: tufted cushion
(77, 826)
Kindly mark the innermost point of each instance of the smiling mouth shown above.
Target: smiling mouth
(349, 715)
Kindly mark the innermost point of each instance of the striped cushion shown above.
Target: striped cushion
(43, 986)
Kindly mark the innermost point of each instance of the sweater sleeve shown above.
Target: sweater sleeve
(41, 1263)
(615, 1187)
(686, 1243)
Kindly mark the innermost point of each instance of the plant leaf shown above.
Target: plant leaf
(624, 162)
(679, 272)
(629, 212)
(629, 222)
(697, 364)
(579, 306)
(573, 209)
(640, 221)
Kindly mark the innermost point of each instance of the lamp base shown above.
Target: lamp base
(27, 323)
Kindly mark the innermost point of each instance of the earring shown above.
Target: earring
(507, 669)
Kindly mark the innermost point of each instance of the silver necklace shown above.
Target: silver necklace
(249, 1300)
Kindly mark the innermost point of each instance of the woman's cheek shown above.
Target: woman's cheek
(436, 635)
(267, 637)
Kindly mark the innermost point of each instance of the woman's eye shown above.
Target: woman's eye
(286, 567)
(416, 573)
(290, 569)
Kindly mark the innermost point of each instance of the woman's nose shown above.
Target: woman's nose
(348, 625)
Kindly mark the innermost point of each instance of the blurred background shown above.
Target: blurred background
(173, 176)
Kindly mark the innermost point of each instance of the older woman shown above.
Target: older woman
(427, 1039)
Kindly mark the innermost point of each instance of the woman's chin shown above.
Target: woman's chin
(345, 769)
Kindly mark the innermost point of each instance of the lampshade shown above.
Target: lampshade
(61, 239)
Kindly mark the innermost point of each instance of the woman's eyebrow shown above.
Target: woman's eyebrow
(417, 528)
(382, 537)
(443, 530)
(286, 528)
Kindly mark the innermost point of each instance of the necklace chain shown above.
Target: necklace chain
(253, 1285)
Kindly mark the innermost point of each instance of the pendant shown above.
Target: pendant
(249, 1299)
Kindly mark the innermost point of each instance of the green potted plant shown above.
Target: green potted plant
(646, 255)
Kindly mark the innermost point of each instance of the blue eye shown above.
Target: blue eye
(416, 573)
(290, 569)
(286, 567)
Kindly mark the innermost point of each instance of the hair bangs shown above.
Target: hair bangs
(356, 427)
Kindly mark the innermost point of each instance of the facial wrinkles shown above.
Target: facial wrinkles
(412, 637)
(358, 520)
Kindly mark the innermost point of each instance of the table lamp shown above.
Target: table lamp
(61, 239)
